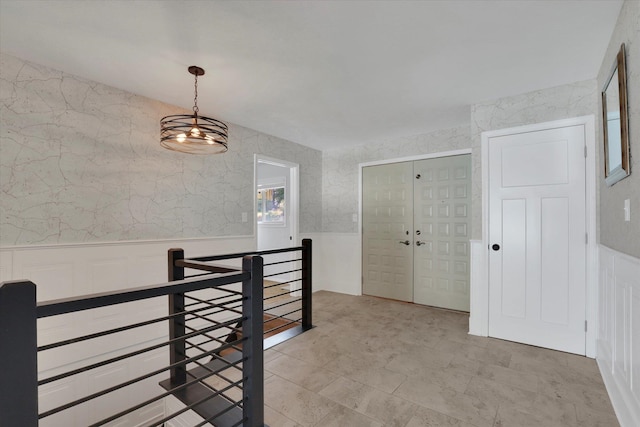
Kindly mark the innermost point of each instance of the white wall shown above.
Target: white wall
(336, 262)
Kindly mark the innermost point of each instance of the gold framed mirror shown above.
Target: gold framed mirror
(616, 122)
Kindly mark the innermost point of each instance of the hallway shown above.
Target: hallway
(375, 362)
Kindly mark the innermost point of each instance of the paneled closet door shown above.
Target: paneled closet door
(537, 231)
(387, 240)
(442, 228)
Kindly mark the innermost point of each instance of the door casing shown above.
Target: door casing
(293, 201)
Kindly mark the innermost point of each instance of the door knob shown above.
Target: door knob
(495, 247)
(419, 243)
(405, 242)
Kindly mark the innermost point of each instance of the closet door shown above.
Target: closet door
(387, 231)
(537, 230)
(442, 197)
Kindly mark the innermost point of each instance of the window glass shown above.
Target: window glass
(271, 205)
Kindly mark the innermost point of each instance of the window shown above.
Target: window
(271, 205)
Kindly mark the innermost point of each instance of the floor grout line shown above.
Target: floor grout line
(373, 334)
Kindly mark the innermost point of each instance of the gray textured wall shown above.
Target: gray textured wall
(614, 231)
(81, 162)
(340, 170)
(562, 102)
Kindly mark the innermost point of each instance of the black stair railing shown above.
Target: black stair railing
(196, 333)
(287, 304)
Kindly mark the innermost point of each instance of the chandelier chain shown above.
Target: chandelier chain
(195, 99)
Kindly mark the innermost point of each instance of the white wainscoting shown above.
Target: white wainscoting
(61, 271)
(619, 332)
(336, 262)
(479, 310)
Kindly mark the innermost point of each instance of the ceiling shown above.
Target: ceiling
(324, 74)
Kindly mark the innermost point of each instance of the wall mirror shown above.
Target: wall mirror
(615, 122)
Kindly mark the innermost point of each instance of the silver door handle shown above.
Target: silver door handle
(419, 243)
(405, 242)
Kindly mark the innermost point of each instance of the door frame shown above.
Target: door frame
(386, 162)
(479, 322)
(293, 198)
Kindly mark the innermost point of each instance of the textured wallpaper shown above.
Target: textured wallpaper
(616, 233)
(81, 162)
(556, 103)
(340, 171)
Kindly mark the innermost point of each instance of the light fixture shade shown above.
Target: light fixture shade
(193, 134)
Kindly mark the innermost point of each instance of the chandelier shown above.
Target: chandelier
(191, 133)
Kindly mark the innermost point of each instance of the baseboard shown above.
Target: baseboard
(626, 409)
(340, 287)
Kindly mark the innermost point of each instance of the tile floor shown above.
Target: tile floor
(374, 362)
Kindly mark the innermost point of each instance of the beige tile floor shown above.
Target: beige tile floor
(374, 362)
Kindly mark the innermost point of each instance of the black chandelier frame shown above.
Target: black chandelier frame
(191, 133)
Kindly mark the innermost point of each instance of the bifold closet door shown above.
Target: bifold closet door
(442, 224)
(387, 224)
(415, 231)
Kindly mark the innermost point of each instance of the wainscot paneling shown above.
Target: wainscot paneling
(479, 313)
(337, 262)
(61, 271)
(619, 332)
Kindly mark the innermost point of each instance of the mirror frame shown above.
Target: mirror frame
(624, 168)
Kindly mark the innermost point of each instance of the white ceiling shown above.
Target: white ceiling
(321, 73)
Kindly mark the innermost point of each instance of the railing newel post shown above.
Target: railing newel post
(177, 349)
(307, 287)
(253, 342)
(19, 362)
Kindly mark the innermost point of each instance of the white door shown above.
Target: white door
(537, 235)
(387, 224)
(442, 200)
